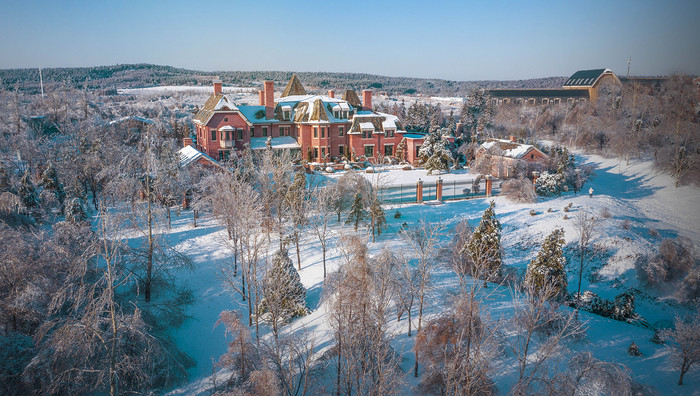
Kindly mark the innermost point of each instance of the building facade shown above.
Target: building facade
(582, 86)
(321, 127)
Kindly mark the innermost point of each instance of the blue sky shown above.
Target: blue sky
(457, 40)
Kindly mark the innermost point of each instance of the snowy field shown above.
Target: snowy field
(631, 193)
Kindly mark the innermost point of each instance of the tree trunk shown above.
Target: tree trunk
(296, 242)
(149, 264)
(323, 247)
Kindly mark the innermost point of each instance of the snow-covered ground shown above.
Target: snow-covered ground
(633, 193)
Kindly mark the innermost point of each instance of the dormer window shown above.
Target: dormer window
(286, 112)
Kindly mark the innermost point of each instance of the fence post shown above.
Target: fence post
(488, 185)
(438, 189)
(419, 191)
(535, 175)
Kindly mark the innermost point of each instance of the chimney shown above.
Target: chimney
(331, 93)
(367, 99)
(261, 100)
(186, 142)
(269, 99)
(217, 86)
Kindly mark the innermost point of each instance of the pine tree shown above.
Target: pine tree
(378, 218)
(549, 184)
(548, 266)
(484, 247)
(401, 151)
(358, 213)
(27, 192)
(75, 212)
(284, 296)
(435, 152)
(49, 180)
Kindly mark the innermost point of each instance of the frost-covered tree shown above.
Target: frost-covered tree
(49, 180)
(684, 341)
(283, 295)
(401, 151)
(477, 113)
(377, 217)
(75, 211)
(549, 184)
(27, 192)
(484, 247)
(358, 214)
(548, 266)
(435, 152)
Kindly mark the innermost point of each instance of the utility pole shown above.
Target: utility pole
(629, 61)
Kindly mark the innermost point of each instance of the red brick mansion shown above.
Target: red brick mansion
(321, 127)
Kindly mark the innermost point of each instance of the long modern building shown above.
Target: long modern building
(582, 86)
(321, 127)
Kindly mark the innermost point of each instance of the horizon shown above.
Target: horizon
(453, 41)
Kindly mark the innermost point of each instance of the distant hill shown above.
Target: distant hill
(143, 75)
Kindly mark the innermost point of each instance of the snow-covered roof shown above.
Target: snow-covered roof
(189, 155)
(282, 142)
(227, 128)
(366, 126)
(225, 104)
(308, 98)
(508, 148)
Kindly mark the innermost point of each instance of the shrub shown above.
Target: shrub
(532, 212)
(566, 217)
(397, 215)
(519, 190)
(605, 213)
(653, 233)
(674, 260)
(568, 207)
(549, 184)
(626, 225)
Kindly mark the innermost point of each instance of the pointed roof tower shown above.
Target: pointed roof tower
(351, 97)
(293, 87)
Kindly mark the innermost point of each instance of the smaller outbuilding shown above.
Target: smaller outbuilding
(500, 157)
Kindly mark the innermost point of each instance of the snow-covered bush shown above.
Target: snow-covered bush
(549, 184)
(673, 262)
(519, 190)
(435, 152)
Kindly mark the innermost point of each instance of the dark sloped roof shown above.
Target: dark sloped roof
(584, 77)
(351, 97)
(539, 93)
(318, 113)
(300, 113)
(293, 87)
(206, 111)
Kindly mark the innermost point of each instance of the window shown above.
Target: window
(390, 133)
(417, 150)
(557, 101)
(286, 114)
(341, 150)
(213, 134)
(225, 119)
(315, 153)
(545, 101)
(532, 156)
(240, 133)
(341, 131)
(323, 132)
(388, 150)
(252, 131)
(315, 132)
(366, 134)
(369, 151)
(264, 131)
(323, 152)
(336, 113)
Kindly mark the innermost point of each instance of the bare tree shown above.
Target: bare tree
(684, 341)
(424, 240)
(323, 199)
(541, 329)
(585, 225)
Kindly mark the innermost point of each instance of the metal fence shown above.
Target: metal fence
(455, 189)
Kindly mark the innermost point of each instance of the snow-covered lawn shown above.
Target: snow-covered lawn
(633, 193)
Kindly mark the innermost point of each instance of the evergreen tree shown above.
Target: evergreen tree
(358, 213)
(435, 152)
(27, 192)
(75, 211)
(284, 296)
(484, 247)
(401, 151)
(49, 180)
(548, 266)
(378, 218)
(477, 113)
(549, 184)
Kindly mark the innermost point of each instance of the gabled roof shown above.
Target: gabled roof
(585, 78)
(509, 148)
(190, 155)
(293, 87)
(318, 113)
(216, 102)
(351, 97)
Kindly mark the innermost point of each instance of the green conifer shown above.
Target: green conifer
(358, 213)
(484, 247)
(548, 266)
